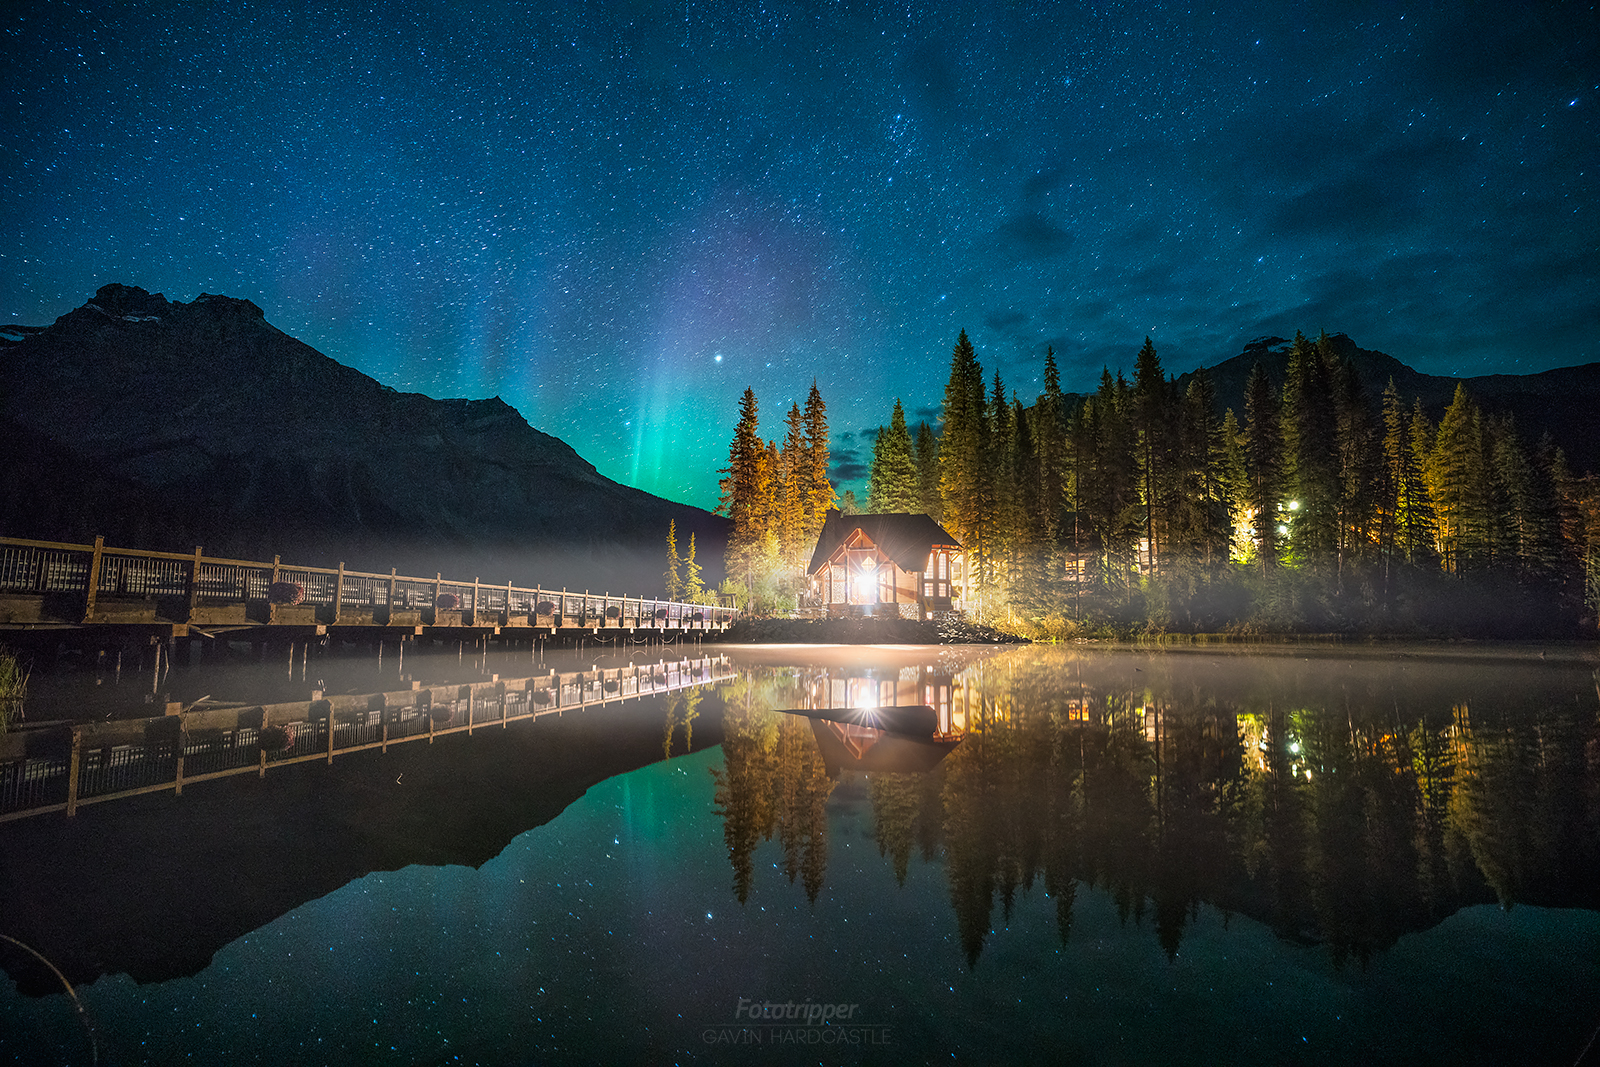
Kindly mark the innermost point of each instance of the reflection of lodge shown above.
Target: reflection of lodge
(868, 689)
(904, 566)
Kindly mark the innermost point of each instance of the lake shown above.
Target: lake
(1089, 854)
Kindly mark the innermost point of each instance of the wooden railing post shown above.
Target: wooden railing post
(392, 573)
(177, 782)
(338, 592)
(73, 763)
(272, 609)
(476, 607)
(94, 577)
(194, 585)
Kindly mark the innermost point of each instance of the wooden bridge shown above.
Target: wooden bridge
(49, 585)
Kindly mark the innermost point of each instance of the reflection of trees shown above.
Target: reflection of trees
(1346, 825)
(683, 708)
(772, 781)
(1526, 805)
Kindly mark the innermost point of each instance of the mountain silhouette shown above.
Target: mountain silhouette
(164, 425)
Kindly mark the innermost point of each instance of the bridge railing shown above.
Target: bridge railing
(99, 573)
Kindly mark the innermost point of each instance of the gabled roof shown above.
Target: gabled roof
(906, 539)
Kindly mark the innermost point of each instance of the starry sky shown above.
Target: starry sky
(617, 216)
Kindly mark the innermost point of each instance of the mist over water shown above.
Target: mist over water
(1107, 855)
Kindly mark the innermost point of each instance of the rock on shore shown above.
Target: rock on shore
(866, 632)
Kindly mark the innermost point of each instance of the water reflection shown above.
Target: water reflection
(1340, 799)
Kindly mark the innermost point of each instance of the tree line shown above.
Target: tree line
(1140, 507)
(778, 497)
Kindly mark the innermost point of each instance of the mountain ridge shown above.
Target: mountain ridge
(245, 440)
(1562, 402)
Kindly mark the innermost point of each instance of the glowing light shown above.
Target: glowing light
(1294, 505)
(1282, 528)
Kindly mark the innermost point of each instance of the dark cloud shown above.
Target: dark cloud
(1031, 234)
(1005, 321)
(847, 466)
(1351, 206)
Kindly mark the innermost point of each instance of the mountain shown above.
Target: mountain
(1565, 402)
(165, 425)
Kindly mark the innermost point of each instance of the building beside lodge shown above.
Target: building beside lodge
(900, 565)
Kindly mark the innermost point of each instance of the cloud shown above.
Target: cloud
(847, 466)
(1352, 206)
(1004, 321)
(1031, 234)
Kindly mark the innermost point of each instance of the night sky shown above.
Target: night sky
(617, 216)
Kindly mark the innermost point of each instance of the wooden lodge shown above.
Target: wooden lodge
(899, 565)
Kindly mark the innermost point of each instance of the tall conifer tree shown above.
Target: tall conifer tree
(928, 500)
(1263, 460)
(819, 495)
(893, 477)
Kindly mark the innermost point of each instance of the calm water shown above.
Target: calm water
(1104, 857)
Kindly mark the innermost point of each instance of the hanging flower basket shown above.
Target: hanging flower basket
(613, 612)
(285, 593)
(274, 739)
(698, 616)
(611, 685)
(541, 696)
(447, 602)
(544, 607)
(440, 712)
(661, 613)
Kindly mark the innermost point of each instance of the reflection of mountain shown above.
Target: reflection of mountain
(1336, 812)
(154, 886)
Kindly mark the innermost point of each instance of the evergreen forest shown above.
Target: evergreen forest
(1143, 510)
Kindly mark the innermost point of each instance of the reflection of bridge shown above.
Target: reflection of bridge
(60, 768)
(47, 585)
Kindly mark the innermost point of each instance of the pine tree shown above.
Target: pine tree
(1152, 422)
(1201, 519)
(747, 494)
(1357, 458)
(793, 476)
(693, 589)
(1391, 476)
(893, 478)
(1263, 461)
(928, 501)
(1419, 527)
(671, 579)
(1457, 484)
(1108, 507)
(819, 495)
(1234, 487)
(961, 452)
(1050, 442)
(1310, 430)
